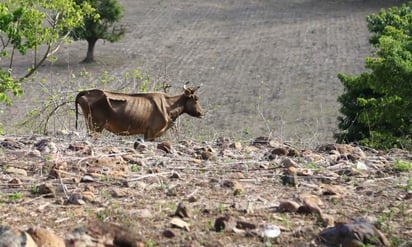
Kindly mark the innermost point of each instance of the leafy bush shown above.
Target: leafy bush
(377, 105)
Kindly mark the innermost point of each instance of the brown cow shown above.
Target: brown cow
(150, 114)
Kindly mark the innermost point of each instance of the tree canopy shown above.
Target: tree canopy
(110, 13)
(33, 28)
(377, 105)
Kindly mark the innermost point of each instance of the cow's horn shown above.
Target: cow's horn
(184, 85)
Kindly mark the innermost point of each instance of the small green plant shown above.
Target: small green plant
(15, 196)
(408, 184)
(403, 166)
(34, 189)
(106, 195)
(209, 224)
(134, 168)
(221, 208)
(102, 215)
(150, 243)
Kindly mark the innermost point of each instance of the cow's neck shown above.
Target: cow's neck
(176, 105)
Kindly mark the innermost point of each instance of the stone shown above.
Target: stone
(288, 206)
(10, 237)
(179, 223)
(182, 210)
(288, 162)
(76, 199)
(236, 145)
(47, 189)
(15, 171)
(225, 224)
(355, 234)
(165, 146)
(280, 151)
(290, 179)
(46, 238)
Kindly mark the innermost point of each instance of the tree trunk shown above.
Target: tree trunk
(90, 51)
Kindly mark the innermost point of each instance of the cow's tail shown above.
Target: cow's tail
(76, 102)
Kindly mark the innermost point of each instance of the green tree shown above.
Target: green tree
(377, 105)
(33, 29)
(110, 12)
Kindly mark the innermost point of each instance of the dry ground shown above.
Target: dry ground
(68, 181)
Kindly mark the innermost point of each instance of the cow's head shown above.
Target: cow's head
(192, 105)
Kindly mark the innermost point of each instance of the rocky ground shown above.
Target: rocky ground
(71, 190)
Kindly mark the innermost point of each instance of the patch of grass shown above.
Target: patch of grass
(221, 208)
(14, 197)
(403, 166)
(102, 215)
(408, 184)
(134, 168)
(150, 243)
(34, 189)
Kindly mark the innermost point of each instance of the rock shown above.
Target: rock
(84, 147)
(10, 237)
(46, 146)
(165, 146)
(14, 183)
(261, 140)
(76, 199)
(87, 179)
(88, 196)
(118, 193)
(179, 223)
(310, 199)
(235, 185)
(290, 179)
(46, 238)
(169, 233)
(207, 155)
(182, 210)
(280, 151)
(225, 223)
(291, 170)
(327, 220)
(105, 234)
(359, 233)
(11, 144)
(271, 231)
(288, 162)
(288, 206)
(236, 145)
(309, 209)
(15, 171)
(46, 189)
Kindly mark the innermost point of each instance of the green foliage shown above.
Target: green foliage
(377, 105)
(33, 29)
(408, 184)
(110, 12)
(403, 166)
(14, 196)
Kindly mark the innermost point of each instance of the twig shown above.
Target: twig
(148, 176)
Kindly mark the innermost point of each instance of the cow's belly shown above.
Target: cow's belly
(134, 127)
(125, 128)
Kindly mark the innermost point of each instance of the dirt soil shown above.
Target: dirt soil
(267, 68)
(184, 193)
